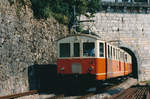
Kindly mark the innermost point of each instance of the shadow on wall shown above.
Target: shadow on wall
(43, 77)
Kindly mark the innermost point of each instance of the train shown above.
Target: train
(87, 55)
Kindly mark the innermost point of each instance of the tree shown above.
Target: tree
(62, 10)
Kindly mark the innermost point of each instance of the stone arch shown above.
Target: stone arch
(135, 58)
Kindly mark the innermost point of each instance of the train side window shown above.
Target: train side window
(116, 54)
(88, 49)
(101, 49)
(113, 53)
(121, 56)
(76, 49)
(130, 59)
(108, 51)
(125, 57)
(64, 49)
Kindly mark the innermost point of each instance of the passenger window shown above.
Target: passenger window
(64, 49)
(114, 53)
(88, 49)
(108, 51)
(101, 49)
(121, 56)
(111, 52)
(76, 49)
(125, 57)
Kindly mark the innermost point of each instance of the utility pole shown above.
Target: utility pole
(75, 22)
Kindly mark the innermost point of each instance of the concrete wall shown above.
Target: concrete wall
(132, 30)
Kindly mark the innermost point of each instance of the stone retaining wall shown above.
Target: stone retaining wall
(133, 32)
(24, 41)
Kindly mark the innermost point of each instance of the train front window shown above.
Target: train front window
(101, 49)
(88, 49)
(76, 50)
(64, 49)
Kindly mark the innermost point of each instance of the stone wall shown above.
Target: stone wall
(24, 41)
(131, 29)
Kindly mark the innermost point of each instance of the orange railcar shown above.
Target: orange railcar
(85, 54)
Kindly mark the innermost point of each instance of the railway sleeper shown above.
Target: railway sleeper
(141, 93)
(128, 93)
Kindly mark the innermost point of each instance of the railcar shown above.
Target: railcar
(87, 55)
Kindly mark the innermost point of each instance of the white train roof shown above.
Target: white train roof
(80, 37)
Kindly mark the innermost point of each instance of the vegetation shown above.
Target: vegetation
(62, 10)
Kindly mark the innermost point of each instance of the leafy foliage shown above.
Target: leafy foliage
(62, 10)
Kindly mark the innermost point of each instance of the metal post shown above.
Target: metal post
(148, 1)
(132, 1)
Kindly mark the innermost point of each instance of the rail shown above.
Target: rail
(86, 96)
(133, 93)
(57, 97)
(20, 94)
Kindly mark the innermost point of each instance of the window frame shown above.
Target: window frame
(121, 56)
(103, 49)
(95, 49)
(109, 51)
(74, 49)
(114, 53)
(126, 57)
(59, 50)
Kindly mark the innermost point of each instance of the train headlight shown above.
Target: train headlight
(91, 68)
(62, 68)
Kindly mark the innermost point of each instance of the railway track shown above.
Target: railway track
(104, 88)
(57, 97)
(86, 96)
(107, 90)
(138, 92)
(20, 94)
(32, 92)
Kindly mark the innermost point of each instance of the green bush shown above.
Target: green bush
(61, 18)
(46, 12)
(62, 10)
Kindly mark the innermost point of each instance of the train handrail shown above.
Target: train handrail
(20, 94)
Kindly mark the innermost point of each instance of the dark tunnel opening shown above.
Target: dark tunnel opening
(134, 62)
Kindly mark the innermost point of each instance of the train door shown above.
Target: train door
(122, 63)
(101, 61)
(109, 61)
(125, 64)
